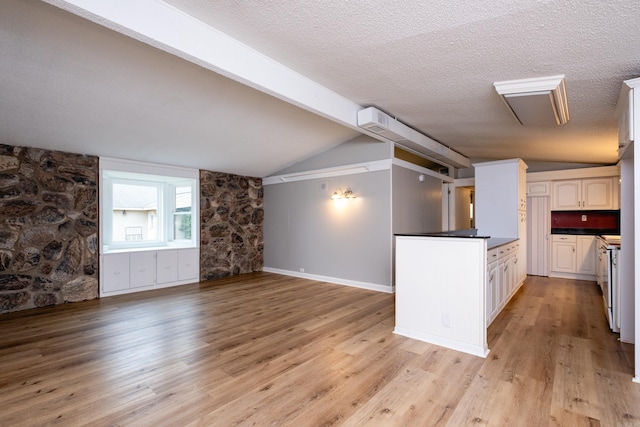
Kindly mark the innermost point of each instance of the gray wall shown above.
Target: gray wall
(351, 240)
(417, 206)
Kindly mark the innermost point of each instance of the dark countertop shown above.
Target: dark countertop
(492, 242)
(585, 231)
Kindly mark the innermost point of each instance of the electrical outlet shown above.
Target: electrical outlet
(584, 217)
(301, 270)
(446, 321)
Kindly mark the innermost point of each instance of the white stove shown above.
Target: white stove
(611, 279)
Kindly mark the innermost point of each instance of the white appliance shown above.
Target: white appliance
(611, 281)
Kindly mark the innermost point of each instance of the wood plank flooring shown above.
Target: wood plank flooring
(270, 350)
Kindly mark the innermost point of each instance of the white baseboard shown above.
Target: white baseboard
(336, 280)
(475, 350)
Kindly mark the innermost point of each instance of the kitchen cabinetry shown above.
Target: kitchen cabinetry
(501, 198)
(585, 194)
(538, 189)
(126, 272)
(504, 277)
(501, 211)
(573, 257)
(586, 255)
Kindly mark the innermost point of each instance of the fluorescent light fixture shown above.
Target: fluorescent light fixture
(539, 101)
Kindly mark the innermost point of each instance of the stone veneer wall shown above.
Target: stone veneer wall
(48, 227)
(231, 217)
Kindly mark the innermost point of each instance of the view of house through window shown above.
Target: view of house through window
(147, 210)
(135, 212)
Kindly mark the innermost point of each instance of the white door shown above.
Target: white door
(538, 215)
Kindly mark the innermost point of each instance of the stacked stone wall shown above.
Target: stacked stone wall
(48, 228)
(231, 218)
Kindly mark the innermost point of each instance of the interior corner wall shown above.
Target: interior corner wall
(349, 240)
(417, 205)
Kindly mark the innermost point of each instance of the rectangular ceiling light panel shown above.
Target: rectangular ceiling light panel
(538, 102)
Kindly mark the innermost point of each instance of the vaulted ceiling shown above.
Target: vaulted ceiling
(250, 87)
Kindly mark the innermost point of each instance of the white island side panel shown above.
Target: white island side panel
(440, 292)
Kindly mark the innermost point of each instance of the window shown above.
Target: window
(146, 210)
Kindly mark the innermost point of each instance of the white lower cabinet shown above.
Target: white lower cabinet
(115, 272)
(573, 256)
(188, 264)
(492, 290)
(586, 255)
(505, 275)
(563, 254)
(144, 270)
(167, 266)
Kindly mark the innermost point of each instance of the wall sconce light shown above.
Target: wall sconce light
(338, 194)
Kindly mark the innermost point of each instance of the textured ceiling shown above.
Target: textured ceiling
(72, 84)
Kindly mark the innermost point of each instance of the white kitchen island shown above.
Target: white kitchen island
(441, 289)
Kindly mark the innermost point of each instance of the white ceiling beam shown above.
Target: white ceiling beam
(167, 28)
(163, 26)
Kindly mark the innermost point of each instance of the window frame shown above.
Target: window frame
(166, 179)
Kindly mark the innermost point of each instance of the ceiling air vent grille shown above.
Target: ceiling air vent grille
(379, 123)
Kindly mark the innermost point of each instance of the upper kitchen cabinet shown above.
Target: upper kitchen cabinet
(585, 194)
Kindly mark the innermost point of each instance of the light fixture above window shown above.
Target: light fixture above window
(539, 101)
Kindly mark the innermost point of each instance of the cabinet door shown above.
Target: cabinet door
(492, 279)
(586, 255)
(567, 195)
(597, 193)
(167, 266)
(142, 269)
(495, 293)
(563, 257)
(115, 272)
(536, 189)
(504, 272)
(188, 264)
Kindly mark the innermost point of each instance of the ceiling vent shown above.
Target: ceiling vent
(539, 102)
(381, 124)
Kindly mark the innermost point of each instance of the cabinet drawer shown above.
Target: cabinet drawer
(567, 238)
(504, 250)
(492, 255)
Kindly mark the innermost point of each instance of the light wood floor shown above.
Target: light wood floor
(265, 350)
